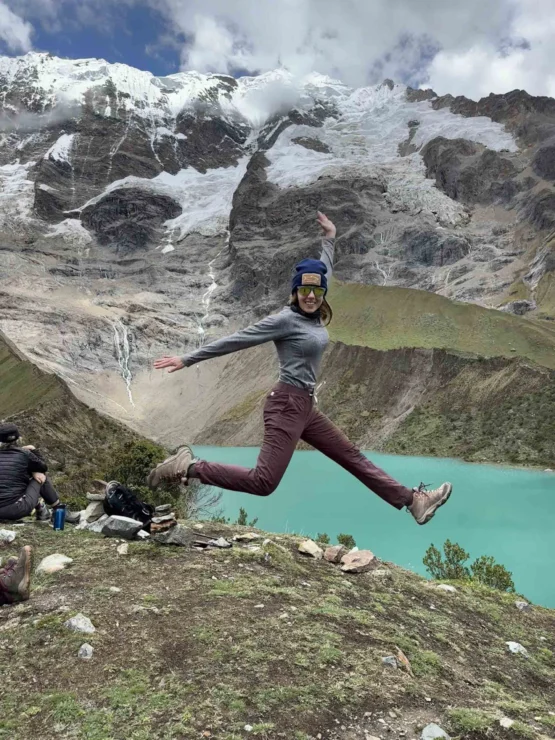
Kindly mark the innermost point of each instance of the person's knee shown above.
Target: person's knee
(266, 486)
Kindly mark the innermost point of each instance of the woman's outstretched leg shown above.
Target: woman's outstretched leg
(324, 436)
(285, 416)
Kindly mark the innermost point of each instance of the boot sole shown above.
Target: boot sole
(156, 475)
(25, 585)
(432, 510)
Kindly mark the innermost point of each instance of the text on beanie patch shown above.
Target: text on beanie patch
(309, 278)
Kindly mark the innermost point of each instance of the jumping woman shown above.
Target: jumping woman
(290, 412)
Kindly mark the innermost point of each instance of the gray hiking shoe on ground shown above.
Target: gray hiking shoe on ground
(426, 503)
(15, 579)
(173, 469)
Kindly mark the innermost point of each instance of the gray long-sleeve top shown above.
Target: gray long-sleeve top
(300, 341)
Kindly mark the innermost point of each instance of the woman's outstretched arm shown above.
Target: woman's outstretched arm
(269, 329)
(328, 242)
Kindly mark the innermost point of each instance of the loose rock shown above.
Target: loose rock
(53, 563)
(335, 553)
(523, 606)
(163, 509)
(80, 623)
(517, 648)
(390, 661)
(122, 527)
(7, 536)
(95, 526)
(506, 722)
(93, 512)
(96, 496)
(85, 651)
(246, 537)
(309, 547)
(142, 535)
(122, 549)
(433, 731)
(115, 589)
(446, 587)
(221, 542)
(358, 562)
(178, 535)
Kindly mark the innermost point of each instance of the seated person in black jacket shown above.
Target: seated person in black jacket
(23, 480)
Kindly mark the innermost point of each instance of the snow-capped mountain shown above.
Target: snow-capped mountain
(142, 214)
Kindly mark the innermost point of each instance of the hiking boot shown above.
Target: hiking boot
(426, 503)
(173, 469)
(42, 512)
(15, 578)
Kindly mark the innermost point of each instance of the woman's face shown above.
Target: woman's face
(310, 299)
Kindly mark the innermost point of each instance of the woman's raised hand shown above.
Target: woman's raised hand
(327, 225)
(173, 363)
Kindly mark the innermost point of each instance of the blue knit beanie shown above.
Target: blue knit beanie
(310, 272)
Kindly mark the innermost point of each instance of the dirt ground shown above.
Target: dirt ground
(241, 643)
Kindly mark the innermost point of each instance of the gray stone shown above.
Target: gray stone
(520, 307)
(143, 535)
(98, 525)
(517, 649)
(358, 562)
(85, 651)
(163, 509)
(221, 542)
(178, 535)
(7, 536)
(523, 606)
(122, 527)
(96, 496)
(433, 732)
(506, 723)
(93, 512)
(390, 661)
(123, 549)
(335, 553)
(53, 563)
(246, 537)
(309, 547)
(163, 518)
(80, 623)
(446, 587)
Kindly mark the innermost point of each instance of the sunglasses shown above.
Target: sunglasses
(306, 290)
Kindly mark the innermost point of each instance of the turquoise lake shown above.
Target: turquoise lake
(505, 512)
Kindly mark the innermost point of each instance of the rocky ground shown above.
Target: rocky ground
(262, 641)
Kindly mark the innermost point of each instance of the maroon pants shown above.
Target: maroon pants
(290, 415)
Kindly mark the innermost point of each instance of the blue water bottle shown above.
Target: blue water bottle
(59, 516)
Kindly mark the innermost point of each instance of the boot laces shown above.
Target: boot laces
(422, 487)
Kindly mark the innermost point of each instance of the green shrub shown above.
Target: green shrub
(346, 539)
(483, 570)
(323, 538)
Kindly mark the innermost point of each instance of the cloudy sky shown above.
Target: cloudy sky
(465, 47)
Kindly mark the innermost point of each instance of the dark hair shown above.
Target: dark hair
(326, 314)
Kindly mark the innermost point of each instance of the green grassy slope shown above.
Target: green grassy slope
(390, 318)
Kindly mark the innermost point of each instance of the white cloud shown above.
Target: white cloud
(15, 33)
(472, 47)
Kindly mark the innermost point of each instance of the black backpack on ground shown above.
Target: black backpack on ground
(120, 501)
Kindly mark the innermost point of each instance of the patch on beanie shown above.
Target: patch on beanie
(310, 278)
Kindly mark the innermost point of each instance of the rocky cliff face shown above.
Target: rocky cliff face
(143, 215)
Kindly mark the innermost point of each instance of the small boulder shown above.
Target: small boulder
(358, 562)
(221, 543)
(143, 535)
(523, 606)
(178, 535)
(434, 732)
(96, 496)
(80, 623)
(309, 547)
(517, 649)
(246, 537)
(390, 661)
(163, 509)
(506, 723)
(122, 527)
(446, 587)
(98, 525)
(335, 553)
(85, 651)
(123, 549)
(93, 512)
(7, 536)
(53, 563)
